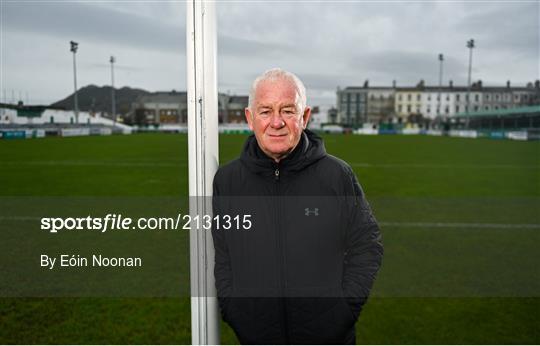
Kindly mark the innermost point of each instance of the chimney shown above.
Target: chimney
(451, 84)
(394, 84)
(366, 83)
(537, 84)
(479, 84)
(508, 84)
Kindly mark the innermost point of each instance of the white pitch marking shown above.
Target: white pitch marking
(96, 163)
(461, 225)
(427, 165)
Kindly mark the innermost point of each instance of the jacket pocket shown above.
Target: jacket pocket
(255, 320)
(319, 320)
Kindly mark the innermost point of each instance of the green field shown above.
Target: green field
(460, 221)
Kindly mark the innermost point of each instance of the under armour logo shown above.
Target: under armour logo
(312, 212)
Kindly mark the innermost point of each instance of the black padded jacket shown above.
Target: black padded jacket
(302, 271)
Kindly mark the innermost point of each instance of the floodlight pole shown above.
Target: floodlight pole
(470, 45)
(203, 162)
(73, 49)
(112, 60)
(441, 59)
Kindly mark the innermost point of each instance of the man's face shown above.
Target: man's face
(276, 117)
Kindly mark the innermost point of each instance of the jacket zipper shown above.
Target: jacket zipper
(282, 276)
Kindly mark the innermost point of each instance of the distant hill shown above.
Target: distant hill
(98, 99)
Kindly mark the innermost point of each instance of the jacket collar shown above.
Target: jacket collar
(309, 150)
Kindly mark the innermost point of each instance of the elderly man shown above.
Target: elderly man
(302, 271)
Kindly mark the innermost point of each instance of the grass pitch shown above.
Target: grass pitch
(459, 218)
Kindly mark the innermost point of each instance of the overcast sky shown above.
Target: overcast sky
(327, 44)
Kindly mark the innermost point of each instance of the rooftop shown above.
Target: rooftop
(444, 88)
(164, 97)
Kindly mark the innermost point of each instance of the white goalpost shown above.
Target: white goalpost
(203, 157)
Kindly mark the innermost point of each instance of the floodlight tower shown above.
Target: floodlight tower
(74, 46)
(112, 60)
(441, 59)
(470, 45)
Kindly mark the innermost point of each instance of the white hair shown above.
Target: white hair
(277, 74)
